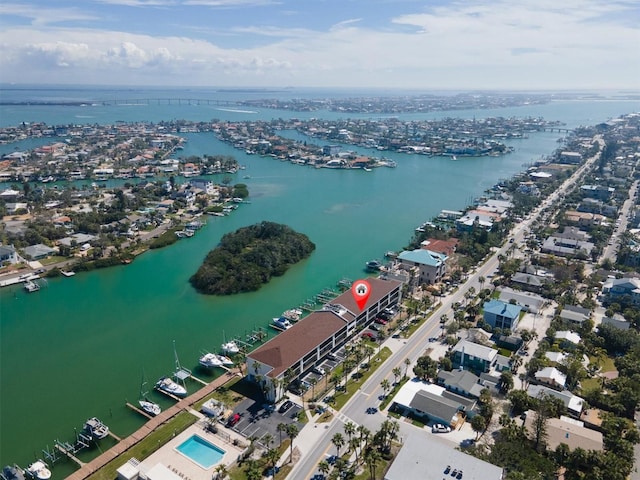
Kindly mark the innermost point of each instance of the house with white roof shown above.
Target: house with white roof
(568, 337)
(618, 288)
(551, 376)
(431, 265)
(572, 402)
(557, 357)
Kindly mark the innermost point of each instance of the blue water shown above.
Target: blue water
(200, 451)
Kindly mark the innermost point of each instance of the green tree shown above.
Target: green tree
(478, 424)
(292, 432)
(386, 385)
(338, 442)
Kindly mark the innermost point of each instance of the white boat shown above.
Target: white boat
(39, 470)
(366, 169)
(225, 360)
(169, 386)
(230, 347)
(95, 428)
(210, 360)
(281, 323)
(67, 274)
(149, 407)
(30, 286)
(293, 314)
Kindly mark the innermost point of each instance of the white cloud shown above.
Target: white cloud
(532, 44)
(44, 16)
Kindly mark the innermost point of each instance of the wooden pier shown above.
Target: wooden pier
(199, 380)
(170, 395)
(69, 453)
(137, 410)
(114, 436)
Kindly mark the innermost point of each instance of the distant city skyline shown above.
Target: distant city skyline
(409, 44)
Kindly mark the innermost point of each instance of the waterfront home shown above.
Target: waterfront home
(430, 265)
(37, 252)
(443, 247)
(502, 315)
(8, 254)
(300, 348)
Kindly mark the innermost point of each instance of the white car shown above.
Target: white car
(440, 428)
(318, 370)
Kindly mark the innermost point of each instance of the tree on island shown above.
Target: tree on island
(249, 257)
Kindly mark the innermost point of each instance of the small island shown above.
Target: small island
(249, 257)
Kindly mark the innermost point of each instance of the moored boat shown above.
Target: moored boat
(12, 472)
(373, 265)
(230, 347)
(149, 407)
(167, 385)
(95, 428)
(39, 470)
(30, 286)
(281, 323)
(293, 314)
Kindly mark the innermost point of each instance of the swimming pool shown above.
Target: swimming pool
(201, 451)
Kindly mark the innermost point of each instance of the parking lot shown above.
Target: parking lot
(256, 420)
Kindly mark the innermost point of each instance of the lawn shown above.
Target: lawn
(230, 393)
(238, 472)
(353, 385)
(393, 391)
(146, 447)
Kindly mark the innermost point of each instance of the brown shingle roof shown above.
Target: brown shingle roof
(287, 348)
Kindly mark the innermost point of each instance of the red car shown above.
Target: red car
(381, 321)
(233, 420)
(368, 336)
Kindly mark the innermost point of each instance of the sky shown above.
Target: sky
(412, 44)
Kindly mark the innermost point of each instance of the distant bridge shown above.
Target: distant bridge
(127, 101)
(556, 129)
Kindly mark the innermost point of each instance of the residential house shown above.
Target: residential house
(566, 430)
(557, 357)
(599, 192)
(432, 402)
(572, 402)
(552, 377)
(474, 357)
(617, 321)
(8, 254)
(443, 247)
(572, 158)
(567, 338)
(37, 252)
(501, 315)
(461, 382)
(529, 282)
(575, 315)
(565, 247)
(431, 265)
(528, 301)
(616, 289)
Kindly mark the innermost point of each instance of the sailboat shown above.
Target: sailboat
(147, 405)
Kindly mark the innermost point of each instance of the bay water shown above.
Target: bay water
(77, 348)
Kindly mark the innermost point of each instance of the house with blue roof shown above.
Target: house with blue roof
(430, 266)
(502, 315)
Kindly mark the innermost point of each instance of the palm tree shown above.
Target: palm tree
(324, 467)
(354, 443)
(365, 434)
(371, 456)
(282, 427)
(313, 381)
(338, 442)
(272, 458)
(396, 374)
(385, 386)
(407, 364)
(481, 279)
(253, 470)
(267, 440)
(349, 429)
(292, 432)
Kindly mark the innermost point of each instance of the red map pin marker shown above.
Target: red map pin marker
(361, 291)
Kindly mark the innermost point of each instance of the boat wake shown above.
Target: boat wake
(235, 111)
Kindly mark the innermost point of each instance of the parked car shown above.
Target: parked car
(233, 419)
(319, 370)
(372, 410)
(285, 406)
(440, 428)
(381, 321)
(368, 336)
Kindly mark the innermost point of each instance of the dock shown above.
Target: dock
(170, 395)
(114, 436)
(69, 452)
(199, 380)
(137, 410)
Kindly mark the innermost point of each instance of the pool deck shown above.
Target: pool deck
(183, 466)
(121, 447)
